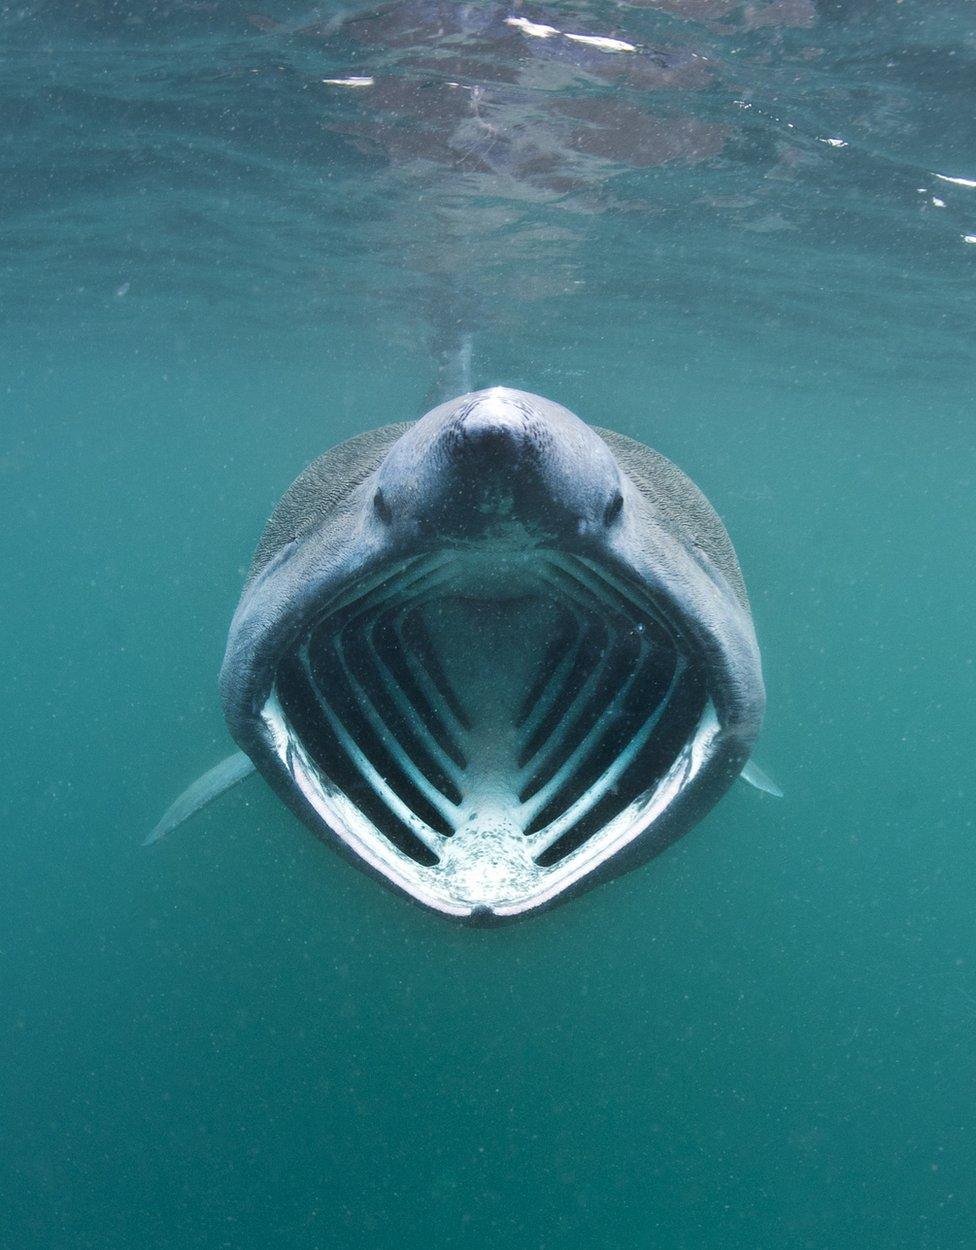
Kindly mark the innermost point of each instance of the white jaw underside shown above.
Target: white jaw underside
(486, 730)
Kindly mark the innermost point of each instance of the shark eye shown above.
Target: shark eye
(382, 507)
(613, 508)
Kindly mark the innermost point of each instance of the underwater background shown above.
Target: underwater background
(747, 237)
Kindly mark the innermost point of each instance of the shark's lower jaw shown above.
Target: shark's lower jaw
(486, 731)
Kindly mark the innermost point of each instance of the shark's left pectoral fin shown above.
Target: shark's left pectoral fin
(756, 777)
(213, 783)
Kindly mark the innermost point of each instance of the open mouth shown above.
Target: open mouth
(486, 729)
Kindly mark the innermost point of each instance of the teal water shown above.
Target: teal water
(214, 266)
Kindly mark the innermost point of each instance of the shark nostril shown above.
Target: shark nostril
(614, 508)
(382, 508)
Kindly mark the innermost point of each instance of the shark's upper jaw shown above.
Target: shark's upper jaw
(485, 729)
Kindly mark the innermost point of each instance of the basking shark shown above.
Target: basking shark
(494, 657)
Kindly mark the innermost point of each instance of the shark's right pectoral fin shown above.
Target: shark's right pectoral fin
(755, 776)
(213, 783)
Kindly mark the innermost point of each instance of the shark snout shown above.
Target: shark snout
(491, 434)
(498, 460)
(494, 470)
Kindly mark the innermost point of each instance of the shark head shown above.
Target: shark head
(496, 657)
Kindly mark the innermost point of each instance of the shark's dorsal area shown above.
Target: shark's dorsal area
(496, 656)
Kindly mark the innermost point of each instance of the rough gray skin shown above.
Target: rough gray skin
(325, 488)
(435, 485)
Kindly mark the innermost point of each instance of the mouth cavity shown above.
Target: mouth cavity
(484, 730)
